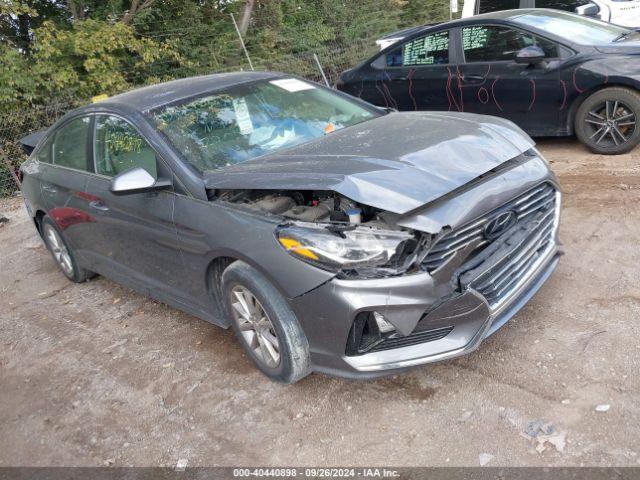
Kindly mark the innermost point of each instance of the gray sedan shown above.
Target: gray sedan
(332, 235)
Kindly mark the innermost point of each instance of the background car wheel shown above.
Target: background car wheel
(607, 121)
(62, 253)
(265, 325)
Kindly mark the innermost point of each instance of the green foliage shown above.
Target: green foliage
(53, 50)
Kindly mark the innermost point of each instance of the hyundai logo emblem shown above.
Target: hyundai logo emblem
(500, 224)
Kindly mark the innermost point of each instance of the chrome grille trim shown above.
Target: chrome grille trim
(506, 279)
(532, 201)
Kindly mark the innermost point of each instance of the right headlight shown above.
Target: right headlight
(344, 249)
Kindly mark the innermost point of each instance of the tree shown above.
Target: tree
(246, 16)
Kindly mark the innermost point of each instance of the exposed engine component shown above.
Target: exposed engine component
(276, 204)
(314, 213)
(304, 206)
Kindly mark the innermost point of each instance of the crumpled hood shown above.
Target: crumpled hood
(396, 162)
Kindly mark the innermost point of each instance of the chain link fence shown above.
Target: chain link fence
(13, 127)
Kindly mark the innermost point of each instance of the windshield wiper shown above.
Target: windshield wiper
(624, 35)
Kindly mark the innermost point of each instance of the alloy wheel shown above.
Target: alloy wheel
(59, 250)
(255, 326)
(611, 123)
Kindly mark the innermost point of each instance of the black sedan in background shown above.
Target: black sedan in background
(552, 73)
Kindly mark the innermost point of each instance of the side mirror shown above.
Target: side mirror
(588, 10)
(530, 55)
(136, 180)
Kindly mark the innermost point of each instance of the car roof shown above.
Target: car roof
(154, 96)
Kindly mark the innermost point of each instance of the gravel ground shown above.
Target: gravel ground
(94, 374)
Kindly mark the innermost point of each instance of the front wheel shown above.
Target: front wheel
(265, 325)
(607, 121)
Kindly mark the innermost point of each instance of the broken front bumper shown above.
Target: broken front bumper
(417, 306)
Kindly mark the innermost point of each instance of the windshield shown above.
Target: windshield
(254, 119)
(575, 28)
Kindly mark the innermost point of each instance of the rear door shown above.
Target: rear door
(65, 160)
(416, 73)
(139, 227)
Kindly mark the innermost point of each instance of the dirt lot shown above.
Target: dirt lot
(94, 374)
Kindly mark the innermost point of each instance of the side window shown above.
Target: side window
(566, 5)
(70, 144)
(486, 43)
(43, 154)
(487, 6)
(119, 147)
(428, 50)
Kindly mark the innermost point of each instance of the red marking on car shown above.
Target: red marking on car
(410, 78)
(575, 83)
(458, 74)
(566, 94)
(483, 95)
(386, 102)
(533, 94)
(493, 93)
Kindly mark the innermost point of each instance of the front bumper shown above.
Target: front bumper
(328, 312)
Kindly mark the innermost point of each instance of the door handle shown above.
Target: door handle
(50, 188)
(473, 78)
(97, 205)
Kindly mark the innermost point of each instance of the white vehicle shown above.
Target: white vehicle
(621, 12)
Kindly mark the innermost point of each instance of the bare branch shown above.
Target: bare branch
(136, 8)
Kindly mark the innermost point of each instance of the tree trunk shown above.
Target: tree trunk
(246, 17)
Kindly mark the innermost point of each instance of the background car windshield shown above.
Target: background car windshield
(581, 30)
(252, 120)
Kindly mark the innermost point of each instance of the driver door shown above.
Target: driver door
(138, 227)
(492, 83)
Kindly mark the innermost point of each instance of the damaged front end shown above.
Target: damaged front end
(336, 234)
(403, 294)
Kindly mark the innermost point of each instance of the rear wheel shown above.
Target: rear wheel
(61, 252)
(265, 325)
(607, 121)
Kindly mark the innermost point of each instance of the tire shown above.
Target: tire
(61, 252)
(607, 121)
(257, 336)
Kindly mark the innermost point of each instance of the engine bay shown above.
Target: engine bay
(348, 223)
(309, 206)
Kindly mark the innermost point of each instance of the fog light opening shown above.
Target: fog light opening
(383, 324)
(369, 329)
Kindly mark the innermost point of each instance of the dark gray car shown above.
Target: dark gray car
(333, 236)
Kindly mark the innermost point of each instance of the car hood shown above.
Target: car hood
(397, 162)
(626, 47)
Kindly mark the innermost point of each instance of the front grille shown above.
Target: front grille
(498, 283)
(413, 339)
(538, 199)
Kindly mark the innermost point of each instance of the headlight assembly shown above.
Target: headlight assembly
(352, 248)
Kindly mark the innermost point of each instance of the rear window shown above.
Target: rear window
(424, 51)
(70, 144)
